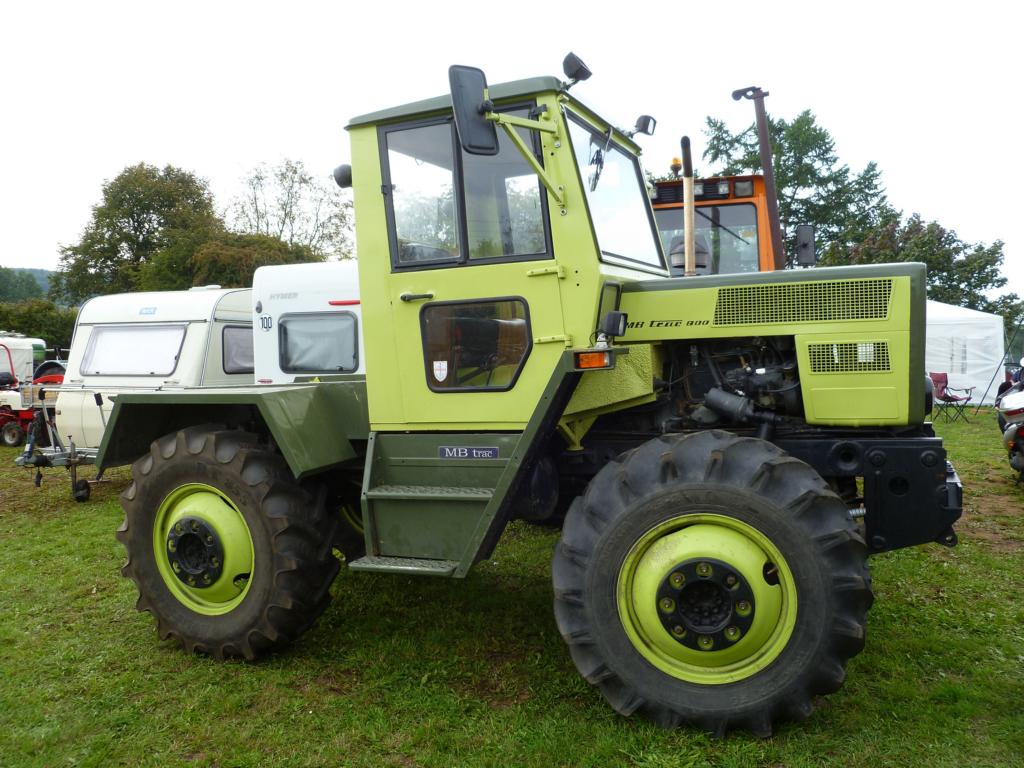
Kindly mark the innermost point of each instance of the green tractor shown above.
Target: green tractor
(727, 450)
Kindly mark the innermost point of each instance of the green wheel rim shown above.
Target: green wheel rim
(653, 560)
(219, 513)
(352, 516)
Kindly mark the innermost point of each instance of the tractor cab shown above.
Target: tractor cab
(496, 227)
(731, 224)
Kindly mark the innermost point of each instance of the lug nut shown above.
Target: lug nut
(214, 561)
(743, 608)
(704, 569)
(194, 525)
(731, 580)
(732, 633)
(192, 581)
(678, 630)
(171, 545)
(206, 578)
(209, 538)
(178, 528)
(176, 567)
(705, 643)
(676, 579)
(667, 604)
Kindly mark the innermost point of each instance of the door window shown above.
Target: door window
(449, 207)
(421, 165)
(475, 345)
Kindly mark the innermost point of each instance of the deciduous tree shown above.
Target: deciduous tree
(145, 212)
(290, 203)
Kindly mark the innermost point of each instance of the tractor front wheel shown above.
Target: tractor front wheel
(229, 553)
(711, 579)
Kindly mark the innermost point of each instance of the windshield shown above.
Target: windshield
(725, 238)
(617, 197)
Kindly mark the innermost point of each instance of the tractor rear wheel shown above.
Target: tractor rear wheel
(711, 579)
(229, 553)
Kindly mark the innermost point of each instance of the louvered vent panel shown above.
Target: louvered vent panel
(825, 301)
(673, 194)
(855, 357)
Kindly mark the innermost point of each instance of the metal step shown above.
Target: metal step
(416, 566)
(429, 493)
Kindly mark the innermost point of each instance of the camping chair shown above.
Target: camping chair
(947, 402)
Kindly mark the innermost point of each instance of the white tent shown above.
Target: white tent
(966, 344)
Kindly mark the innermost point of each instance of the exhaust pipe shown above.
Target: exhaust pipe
(689, 258)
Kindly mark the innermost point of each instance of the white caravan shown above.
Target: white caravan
(133, 342)
(307, 321)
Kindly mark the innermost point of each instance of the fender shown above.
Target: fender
(314, 425)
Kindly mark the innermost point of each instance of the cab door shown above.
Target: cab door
(473, 290)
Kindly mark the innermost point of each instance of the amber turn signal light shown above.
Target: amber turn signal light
(589, 360)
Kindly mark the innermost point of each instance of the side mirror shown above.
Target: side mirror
(645, 124)
(477, 135)
(343, 176)
(614, 324)
(806, 256)
(574, 68)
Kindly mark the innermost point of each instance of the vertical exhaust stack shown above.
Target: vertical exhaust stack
(689, 260)
(757, 95)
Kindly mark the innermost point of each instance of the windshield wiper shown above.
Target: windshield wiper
(721, 226)
(598, 160)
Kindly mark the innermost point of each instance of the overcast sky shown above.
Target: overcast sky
(928, 90)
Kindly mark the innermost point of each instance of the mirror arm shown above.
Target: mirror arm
(544, 126)
(509, 123)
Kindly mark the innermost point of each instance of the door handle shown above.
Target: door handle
(416, 296)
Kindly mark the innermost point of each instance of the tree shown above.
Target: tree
(18, 285)
(813, 187)
(145, 212)
(41, 319)
(289, 203)
(959, 273)
(231, 260)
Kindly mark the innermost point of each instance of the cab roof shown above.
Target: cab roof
(439, 103)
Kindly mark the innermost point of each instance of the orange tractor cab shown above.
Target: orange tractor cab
(731, 224)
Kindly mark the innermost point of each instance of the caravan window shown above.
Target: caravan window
(318, 343)
(236, 342)
(133, 350)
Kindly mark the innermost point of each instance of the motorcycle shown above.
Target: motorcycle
(1010, 408)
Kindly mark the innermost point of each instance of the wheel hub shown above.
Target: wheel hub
(195, 552)
(705, 604)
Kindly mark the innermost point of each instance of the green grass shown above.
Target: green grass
(420, 672)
